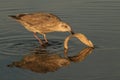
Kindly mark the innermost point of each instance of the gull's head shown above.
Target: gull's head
(64, 27)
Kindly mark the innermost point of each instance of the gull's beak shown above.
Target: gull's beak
(72, 32)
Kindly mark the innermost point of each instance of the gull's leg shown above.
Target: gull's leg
(46, 41)
(40, 41)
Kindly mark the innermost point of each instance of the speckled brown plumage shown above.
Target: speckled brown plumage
(42, 23)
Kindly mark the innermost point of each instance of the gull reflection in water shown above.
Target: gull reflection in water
(42, 61)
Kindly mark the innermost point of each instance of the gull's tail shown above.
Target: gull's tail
(17, 17)
(14, 17)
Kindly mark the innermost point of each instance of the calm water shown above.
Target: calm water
(99, 20)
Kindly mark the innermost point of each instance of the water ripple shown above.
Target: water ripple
(22, 46)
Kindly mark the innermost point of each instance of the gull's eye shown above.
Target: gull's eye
(65, 26)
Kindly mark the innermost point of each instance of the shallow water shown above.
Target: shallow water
(99, 20)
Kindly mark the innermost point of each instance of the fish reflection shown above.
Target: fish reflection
(42, 61)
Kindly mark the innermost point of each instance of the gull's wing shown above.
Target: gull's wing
(37, 19)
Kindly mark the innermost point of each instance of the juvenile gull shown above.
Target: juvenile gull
(42, 23)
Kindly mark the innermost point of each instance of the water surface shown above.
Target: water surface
(99, 20)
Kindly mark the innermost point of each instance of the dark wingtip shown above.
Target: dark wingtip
(18, 16)
(13, 16)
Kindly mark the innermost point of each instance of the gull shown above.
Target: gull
(42, 23)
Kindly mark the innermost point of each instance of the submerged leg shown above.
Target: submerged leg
(40, 41)
(46, 41)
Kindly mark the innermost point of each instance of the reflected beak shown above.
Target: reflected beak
(72, 32)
